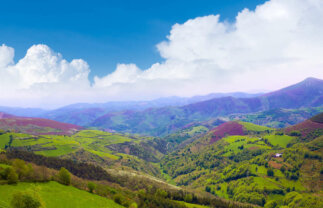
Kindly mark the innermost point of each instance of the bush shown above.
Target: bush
(26, 199)
(133, 205)
(64, 177)
(118, 199)
(91, 186)
(295, 133)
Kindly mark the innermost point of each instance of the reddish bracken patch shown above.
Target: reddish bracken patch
(274, 164)
(226, 129)
(38, 126)
(305, 127)
(253, 148)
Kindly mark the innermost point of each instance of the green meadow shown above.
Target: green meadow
(56, 195)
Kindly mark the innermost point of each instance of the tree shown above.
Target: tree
(283, 169)
(64, 177)
(23, 170)
(188, 198)
(12, 176)
(26, 199)
(91, 186)
(208, 189)
(270, 172)
(295, 133)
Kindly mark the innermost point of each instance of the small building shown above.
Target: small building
(278, 155)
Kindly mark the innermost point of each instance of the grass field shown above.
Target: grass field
(56, 195)
(280, 140)
(248, 143)
(4, 139)
(253, 127)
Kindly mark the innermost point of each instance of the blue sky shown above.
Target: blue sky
(54, 53)
(104, 33)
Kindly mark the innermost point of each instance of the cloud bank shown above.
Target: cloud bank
(277, 44)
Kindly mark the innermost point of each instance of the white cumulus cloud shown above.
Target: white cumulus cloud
(277, 44)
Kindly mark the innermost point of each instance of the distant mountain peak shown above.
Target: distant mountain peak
(311, 81)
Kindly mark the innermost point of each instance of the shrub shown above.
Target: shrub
(64, 177)
(91, 186)
(133, 205)
(26, 199)
(118, 199)
(161, 193)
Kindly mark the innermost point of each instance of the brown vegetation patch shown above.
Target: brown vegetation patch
(253, 148)
(274, 164)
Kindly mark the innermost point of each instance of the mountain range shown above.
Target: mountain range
(162, 121)
(164, 116)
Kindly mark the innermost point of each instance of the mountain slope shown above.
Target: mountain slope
(277, 118)
(309, 129)
(162, 121)
(304, 94)
(36, 126)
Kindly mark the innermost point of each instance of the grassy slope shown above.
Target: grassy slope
(280, 140)
(55, 145)
(254, 127)
(92, 146)
(57, 195)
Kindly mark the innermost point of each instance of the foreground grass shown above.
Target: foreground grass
(56, 195)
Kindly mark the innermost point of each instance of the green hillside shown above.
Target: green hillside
(104, 148)
(245, 168)
(55, 195)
